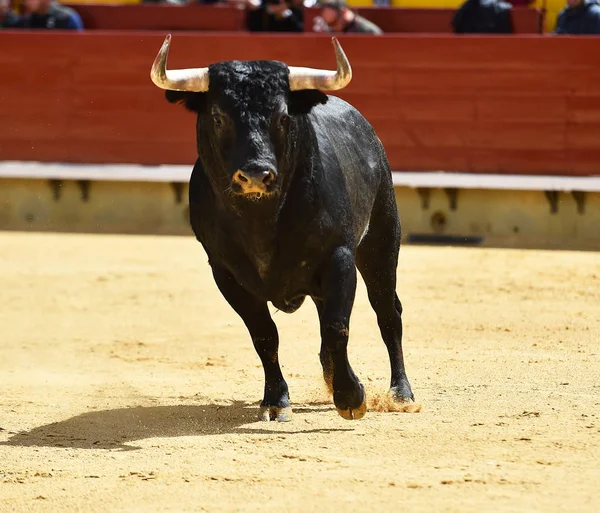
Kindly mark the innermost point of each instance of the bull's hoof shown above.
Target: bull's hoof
(353, 413)
(268, 413)
(351, 404)
(403, 403)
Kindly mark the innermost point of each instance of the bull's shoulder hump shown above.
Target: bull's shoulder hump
(336, 105)
(336, 109)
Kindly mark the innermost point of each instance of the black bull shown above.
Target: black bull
(290, 195)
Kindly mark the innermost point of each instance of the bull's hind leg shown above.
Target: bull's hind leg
(255, 314)
(377, 259)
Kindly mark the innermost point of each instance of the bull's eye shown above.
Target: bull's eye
(218, 120)
(283, 122)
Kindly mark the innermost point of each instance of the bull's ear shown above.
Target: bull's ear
(301, 102)
(195, 102)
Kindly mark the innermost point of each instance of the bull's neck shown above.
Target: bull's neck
(263, 211)
(253, 230)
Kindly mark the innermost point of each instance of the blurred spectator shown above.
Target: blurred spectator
(274, 15)
(483, 17)
(336, 16)
(8, 19)
(50, 14)
(579, 17)
(174, 2)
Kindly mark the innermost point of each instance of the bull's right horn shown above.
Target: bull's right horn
(325, 80)
(192, 80)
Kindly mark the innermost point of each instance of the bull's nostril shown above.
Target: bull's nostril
(268, 178)
(240, 177)
(254, 178)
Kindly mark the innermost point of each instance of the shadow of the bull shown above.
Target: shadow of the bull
(113, 429)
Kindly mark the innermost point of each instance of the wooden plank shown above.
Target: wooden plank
(444, 107)
(583, 162)
(522, 108)
(441, 135)
(583, 108)
(583, 137)
(427, 159)
(519, 161)
(478, 80)
(524, 135)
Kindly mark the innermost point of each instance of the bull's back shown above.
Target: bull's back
(351, 151)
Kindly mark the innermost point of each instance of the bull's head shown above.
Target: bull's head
(247, 114)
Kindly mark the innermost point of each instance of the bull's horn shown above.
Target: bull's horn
(193, 79)
(325, 80)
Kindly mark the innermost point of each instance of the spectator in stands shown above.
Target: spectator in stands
(274, 15)
(338, 17)
(483, 17)
(50, 14)
(178, 2)
(8, 19)
(579, 17)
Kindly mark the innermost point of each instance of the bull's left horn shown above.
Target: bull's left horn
(325, 80)
(193, 79)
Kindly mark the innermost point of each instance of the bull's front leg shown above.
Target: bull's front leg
(338, 291)
(255, 314)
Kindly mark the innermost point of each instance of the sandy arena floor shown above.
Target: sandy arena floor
(128, 384)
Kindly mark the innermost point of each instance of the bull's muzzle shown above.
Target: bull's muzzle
(255, 181)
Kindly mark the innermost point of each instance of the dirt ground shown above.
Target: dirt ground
(128, 384)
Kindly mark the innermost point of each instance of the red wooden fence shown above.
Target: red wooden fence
(517, 104)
